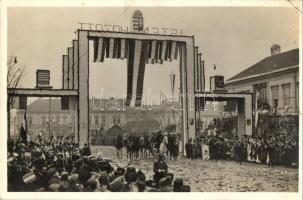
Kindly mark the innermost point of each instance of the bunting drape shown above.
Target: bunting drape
(138, 53)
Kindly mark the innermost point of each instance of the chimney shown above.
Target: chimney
(275, 49)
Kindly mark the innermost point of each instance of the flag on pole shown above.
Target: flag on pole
(172, 82)
(23, 130)
(256, 108)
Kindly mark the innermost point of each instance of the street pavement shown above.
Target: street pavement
(212, 176)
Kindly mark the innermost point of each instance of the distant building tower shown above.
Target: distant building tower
(275, 49)
(137, 21)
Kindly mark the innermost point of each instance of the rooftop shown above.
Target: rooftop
(276, 62)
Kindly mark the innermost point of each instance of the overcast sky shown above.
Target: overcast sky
(231, 38)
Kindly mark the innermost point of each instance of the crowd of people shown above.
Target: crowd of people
(268, 148)
(60, 165)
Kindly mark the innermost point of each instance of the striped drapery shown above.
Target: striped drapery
(138, 53)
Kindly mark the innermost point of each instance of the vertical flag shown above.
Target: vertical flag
(105, 49)
(111, 47)
(117, 48)
(23, 130)
(126, 53)
(137, 55)
(99, 50)
(172, 83)
(173, 49)
(256, 109)
(130, 69)
(153, 52)
(122, 53)
(140, 80)
(168, 51)
(164, 44)
(157, 52)
(148, 55)
(177, 48)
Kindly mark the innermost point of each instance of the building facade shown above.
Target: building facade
(45, 116)
(274, 81)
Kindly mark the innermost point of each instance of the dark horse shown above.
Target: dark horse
(132, 146)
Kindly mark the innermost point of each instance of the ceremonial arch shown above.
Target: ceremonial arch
(138, 48)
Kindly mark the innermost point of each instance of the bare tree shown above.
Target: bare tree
(14, 75)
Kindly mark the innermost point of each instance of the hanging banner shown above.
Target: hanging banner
(130, 69)
(172, 83)
(137, 55)
(143, 58)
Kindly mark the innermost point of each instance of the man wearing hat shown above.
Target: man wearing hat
(131, 174)
(165, 184)
(179, 187)
(160, 168)
(86, 150)
(119, 172)
(104, 182)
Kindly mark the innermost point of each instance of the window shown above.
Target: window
(118, 119)
(286, 94)
(275, 95)
(168, 119)
(261, 88)
(96, 119)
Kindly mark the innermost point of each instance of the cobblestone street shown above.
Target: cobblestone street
(211, 176)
